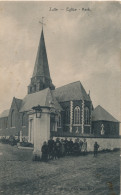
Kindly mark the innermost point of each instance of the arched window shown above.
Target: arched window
(86, 116)
(77, 115)
(59, 120)
(13, 118)
(23, 119)
(67, 116)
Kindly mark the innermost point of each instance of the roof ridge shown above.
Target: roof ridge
(18, 98)
(67, 84)
(36, 92)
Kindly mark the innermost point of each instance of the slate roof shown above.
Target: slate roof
(42, 98)
(72, 91)
(18, 103)
(41, 64)
(5, 113)
(100, 114)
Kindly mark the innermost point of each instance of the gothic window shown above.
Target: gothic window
(67, 116)
(86, 116)
(77, 115)
(13, 118)
(23, 119)
(59, 120)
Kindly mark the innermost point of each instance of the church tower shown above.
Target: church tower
(41, 75)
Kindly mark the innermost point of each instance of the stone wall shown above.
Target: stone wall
(104, 143)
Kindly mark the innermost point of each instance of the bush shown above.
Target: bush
(12, 140)
(26, 144)
(4, 140)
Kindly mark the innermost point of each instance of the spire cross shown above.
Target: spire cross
(41, 22)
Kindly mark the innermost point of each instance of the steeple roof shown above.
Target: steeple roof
(100, 114)
(41, 67)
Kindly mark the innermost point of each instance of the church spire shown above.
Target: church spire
(41, 64)
(41, 75)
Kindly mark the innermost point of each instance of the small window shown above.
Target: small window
(59, 120)
(77, 115)
(86, 116)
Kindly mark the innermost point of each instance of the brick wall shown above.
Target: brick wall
(110, 128)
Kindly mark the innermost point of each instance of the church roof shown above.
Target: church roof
(100, 114)
(41, 67)
(18, 103)
(5, 113)
(42, 98)
(72, 91)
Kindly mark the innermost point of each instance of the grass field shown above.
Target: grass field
(83, 175)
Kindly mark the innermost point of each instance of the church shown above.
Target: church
(66, 111)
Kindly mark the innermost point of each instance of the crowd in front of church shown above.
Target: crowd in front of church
(54, 149)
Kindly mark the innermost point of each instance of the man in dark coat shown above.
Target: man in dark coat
(66, 146)
(50, 148)
(76, 148)
(45, 152)
(96, 146)
(70, 145)
(58, 148)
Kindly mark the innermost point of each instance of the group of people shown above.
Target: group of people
(54, 149)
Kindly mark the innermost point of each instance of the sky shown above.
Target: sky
(81, 45)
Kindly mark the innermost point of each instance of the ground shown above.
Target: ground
(83, 175)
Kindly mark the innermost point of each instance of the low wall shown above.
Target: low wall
(104, 143)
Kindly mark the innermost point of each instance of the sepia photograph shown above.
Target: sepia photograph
(60, 94)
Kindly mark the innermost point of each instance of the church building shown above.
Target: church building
(65, 111)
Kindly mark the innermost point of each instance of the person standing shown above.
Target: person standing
(66, 146)
(62, 148)
(80, 145)
(76, 148)
(58, 148)
(70, 143)
(50, 148)
(96, 146)
(44, 152)
(84, 147)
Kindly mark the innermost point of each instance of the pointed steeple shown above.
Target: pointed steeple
(41, 64)
(41, 75)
